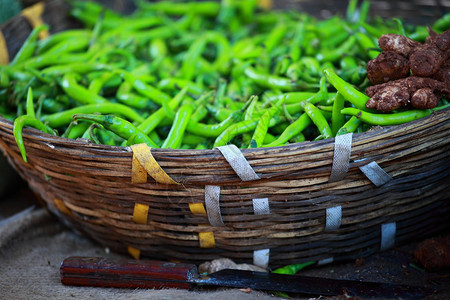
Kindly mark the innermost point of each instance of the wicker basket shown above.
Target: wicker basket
(89, 187)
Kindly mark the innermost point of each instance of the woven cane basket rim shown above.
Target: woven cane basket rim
(89, 187)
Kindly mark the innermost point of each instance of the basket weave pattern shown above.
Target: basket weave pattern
(89, 186)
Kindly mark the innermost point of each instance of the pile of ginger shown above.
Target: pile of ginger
(408, 72)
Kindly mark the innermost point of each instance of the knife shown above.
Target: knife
(128, 273)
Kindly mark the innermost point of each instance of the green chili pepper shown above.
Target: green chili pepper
(67, 46)
(387, 119)
(89, 12)
(219, 113)
(109, 138)
(364, 11)
(92, 136)
(351, 94)
(158, 49)
(334, 41)
(125, 96)
(193, 140)
(30, 103)
(147, 90)
(295, 50)
(193, 55)
(372, 30)
(45, 60)
(30, 121)
(318, 119)
(294, 129)
(348, 62)
(97, 84)
(96, 31)
(350, 126)
(42, 77)
(212, 130)
(293, 269)
(247, 48)
(60, 70)
(251, 107)
(442, 23)
(65, 117)
(167, 108)
(52, 106)
(179, 125)
(77, 130)
(334, 54)
(220, 93)
(275, 82)
(337, 119)
(206, 8)
(69, 129)
(56, 38)
(119, 126)
(119, 58)
(152, 121)
(263, 125)
(78, 92)
(420, 34)
(238, 128)
(275, 36)
(367, 44)
(29, 46)
(201, 111)
(290, 98)
(401, 28)
(173, 83)
(4, 77)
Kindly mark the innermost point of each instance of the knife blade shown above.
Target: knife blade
(129, 273)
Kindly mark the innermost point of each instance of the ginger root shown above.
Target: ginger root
(387, 66)
(409, 73)
(420, 92)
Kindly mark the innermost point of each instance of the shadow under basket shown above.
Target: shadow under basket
(304, 217)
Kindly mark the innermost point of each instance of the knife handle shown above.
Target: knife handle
(126, 273)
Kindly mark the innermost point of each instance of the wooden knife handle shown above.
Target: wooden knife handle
(126, 273)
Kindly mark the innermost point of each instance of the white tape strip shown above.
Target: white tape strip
(388, 232)
(261, 206)
(261, 258)
(212, 203)
(238, 162)
(334, 217)
(341, 157)
(375, 173)
(325, 261)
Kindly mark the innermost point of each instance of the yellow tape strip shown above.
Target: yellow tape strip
(4, 55)
(207, 239)
(197, 208)
(140, 213)
(138, 173)
(62, 207)
(143, 154)
(265, 4)
(135, 253)
(33, 15)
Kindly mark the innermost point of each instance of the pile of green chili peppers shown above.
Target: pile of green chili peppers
(197, 75)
